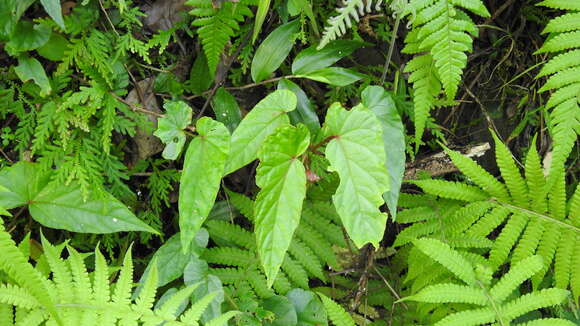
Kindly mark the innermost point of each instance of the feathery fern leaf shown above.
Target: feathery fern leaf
(337, 25)
(336, 313)
(216, 26)
(563, 80)
(443, 29)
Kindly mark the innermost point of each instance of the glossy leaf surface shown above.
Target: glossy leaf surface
(274, 50)
(311, 59)
(334, 76)
(265, 117)
(305, 112)
(281, 177)
(203, 168)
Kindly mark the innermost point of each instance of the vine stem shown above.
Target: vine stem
(391, 48)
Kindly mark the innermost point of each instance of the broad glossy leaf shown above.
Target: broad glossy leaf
(356, 152)
(282, 180)
(304, 112)
(285, 314)
(309, 308)
(171, 260)
(197, 272)
(28, 36)
(381, 103)
(274, 50)
(21, 183)
(170, 128)
(53, 9)
(226, 109)
(63, 207)
(29, 68)
(311, 59)
(265, 117)
(334, 76)
(202, 173)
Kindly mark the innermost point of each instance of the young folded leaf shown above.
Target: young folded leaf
(282, 179)
(202, 172)
(356, 152)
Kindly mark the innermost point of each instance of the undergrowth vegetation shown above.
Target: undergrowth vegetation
(289, 162)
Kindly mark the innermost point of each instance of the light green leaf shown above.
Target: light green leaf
(265, 117)
(170, 128)
(53, 9)
(197, 272)
(29, 68)
(281, 177)
(263, 7)
(311, 59)
(284, 312)
(200, 77)
(274, 50)
(304, 112)
(381, 103)
(334, 76)
(226, 109)
(297, 6)
(28, 36)
(200, 180)
(356, 152)
(62, 206)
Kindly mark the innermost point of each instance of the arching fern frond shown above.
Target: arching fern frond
(521, 216)
(490, 300)
(352, 10)
(443, 31)
(564, 81)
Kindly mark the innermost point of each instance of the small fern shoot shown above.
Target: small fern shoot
(353, 10)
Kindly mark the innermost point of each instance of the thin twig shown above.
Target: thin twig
(391, 48)
(389, 286)
(136, 108)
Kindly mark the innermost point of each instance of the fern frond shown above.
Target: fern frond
(16, 296)
(510, 173)
(216, 26)
(549, 322)
(448, 257)
(146, 297)
(244, 204)
(229, 256)
(564, 81)
(122, 292)
(452, 190)
(480, 176)
(533, 301)
(336, 313)
(193, 314)
(295, 272)
(507, 239)
(515, 277)
(337, 25)
(447, 292)
(307, 258)
(535, 180)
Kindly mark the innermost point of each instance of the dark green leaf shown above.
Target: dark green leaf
(226, 109)
(29, 68)
(334, 76)
(297, 6)
(309, 308)
(304, 112)
(281, 177)
(28, 36)
(200, 78)
(274, 50)
(202, 172)
(171, 260)
(356, 152)
(381, 103)
(197, 272)
(21, 183)
(170, 128)
(282, 309)
(53, 9)
(265, 117)
(311, 59)
(55, 48)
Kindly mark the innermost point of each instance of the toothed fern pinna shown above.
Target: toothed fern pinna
(441, 35)
(521, 215)
(563, 81)
(73, 296)
(481, 300)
